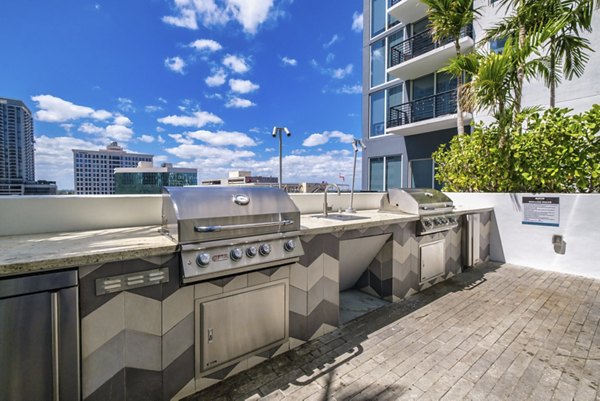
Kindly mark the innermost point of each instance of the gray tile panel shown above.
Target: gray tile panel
(112, 389)
(142, 351)
(298, 326)
(177, 340)
(103, 364)
(143, 385)
(178, 373)
(88, 301)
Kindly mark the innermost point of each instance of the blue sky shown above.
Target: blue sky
(198, 83)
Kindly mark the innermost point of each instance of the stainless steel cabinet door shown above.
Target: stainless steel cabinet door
(432, 259)
(240, 324)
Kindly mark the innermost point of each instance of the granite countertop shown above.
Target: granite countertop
(33, 253)
(311, 224)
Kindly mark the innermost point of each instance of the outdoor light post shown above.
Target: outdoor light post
(356, 145)
(280, 131)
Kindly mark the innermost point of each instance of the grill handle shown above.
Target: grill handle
(212, 229)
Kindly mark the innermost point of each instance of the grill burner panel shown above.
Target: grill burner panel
(230, 230)
(433, 206)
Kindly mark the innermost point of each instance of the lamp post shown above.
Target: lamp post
(356, 145)
(280, 131)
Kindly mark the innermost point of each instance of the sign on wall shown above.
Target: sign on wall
(541, 210)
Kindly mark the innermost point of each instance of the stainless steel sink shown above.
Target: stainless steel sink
(340, 217)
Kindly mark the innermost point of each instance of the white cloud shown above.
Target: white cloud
(242, 86)
(223, 138)
(186, 19)
(289, 61)
(357, 22)
(160, 139)
(236, 64)
(54, 158)
(213, 96)
(119, 133)
(206, 44)
(250, 14)
(350, 89)
(175, 64)
(269, 149)
(152, 108)
(333, 39)
(67, 127)
(340, 73)
(122, 120)
(317, 139)
(90, 128)
(198, 119)
(217, 79)
(330, 57)
(162, 100)
(239, 103)
(125, 105)
(146, 138)
(56, 110)
(182, 139)
(217, 154)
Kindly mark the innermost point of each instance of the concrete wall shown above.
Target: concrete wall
(531, 245)
(47, 214)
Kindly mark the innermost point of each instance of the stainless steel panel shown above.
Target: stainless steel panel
(472, 240)
(416, 201)
(107, 285)
(185, 208)
(39, 338)
(432, 260)
(239, 325)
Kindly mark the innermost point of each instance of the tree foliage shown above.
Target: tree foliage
(551, 152)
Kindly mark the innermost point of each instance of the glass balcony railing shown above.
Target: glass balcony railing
(422, 109)
(420, 43)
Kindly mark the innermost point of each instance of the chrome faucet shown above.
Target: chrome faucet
(326, 208)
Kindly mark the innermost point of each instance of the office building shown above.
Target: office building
(409, 108)
(17, 166)
(94, 169)
(242, 178)
(147, 179)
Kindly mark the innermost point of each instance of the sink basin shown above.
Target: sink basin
(340, 217)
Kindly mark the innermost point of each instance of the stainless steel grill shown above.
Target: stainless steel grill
(230, 230)
(434, 208)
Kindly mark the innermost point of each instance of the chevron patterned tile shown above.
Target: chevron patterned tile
(143, 385)
(177, 307)
(177, 340)
(178, 374)
(102, 325)
(113, 389)
(315, 271)
(142, 314)
(187, 390)
(100, 366)
(142, 351)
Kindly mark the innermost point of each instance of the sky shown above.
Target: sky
(197, 83)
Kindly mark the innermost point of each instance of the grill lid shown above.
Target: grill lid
(419, 201)
(195, 214)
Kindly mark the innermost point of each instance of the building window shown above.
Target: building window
(378, 63)
(378, 16)
(377, 114)
(422, 174)
(385, 172)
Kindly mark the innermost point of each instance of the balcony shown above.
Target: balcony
(431, 113)
(419, 55)
(407, 11)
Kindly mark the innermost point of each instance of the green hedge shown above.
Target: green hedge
(552, 152)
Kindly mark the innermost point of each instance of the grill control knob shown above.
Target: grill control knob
(264, 249)
(251, 251)
(289, 245)
(203, 259)
(427, 223)
(236, 254)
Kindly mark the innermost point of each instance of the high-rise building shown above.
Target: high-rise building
(17, 166)
(147, 179)
(16, 146)
(409, 108)
(94, 169)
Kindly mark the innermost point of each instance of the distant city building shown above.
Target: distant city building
(17, 166)
(241, 178)
(147, 179)
(94, 169)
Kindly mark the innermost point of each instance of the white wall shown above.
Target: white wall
(531, 245)
(48, 214)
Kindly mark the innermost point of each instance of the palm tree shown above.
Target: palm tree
(447, 20)
(556, 26)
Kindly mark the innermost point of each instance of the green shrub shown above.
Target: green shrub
(552, 152)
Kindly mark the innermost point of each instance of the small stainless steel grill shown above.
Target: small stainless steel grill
(230, 230)
(434, 208)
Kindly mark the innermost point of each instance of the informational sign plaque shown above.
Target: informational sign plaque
(541, 210)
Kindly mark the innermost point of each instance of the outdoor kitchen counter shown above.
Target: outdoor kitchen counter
(311, 224)
(35, 253)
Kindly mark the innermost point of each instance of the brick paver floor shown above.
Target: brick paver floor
(492, 333)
